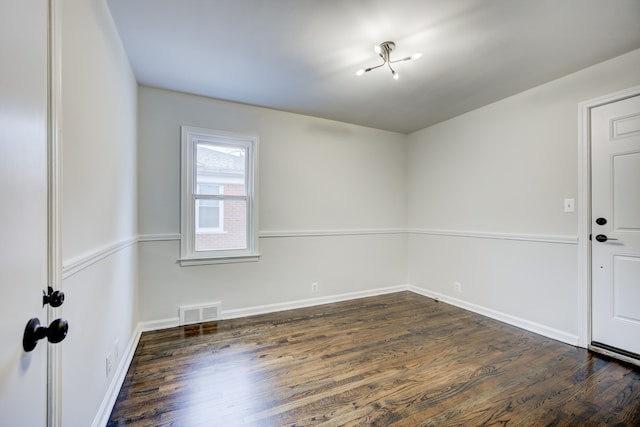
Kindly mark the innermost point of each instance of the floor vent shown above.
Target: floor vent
(190, 314)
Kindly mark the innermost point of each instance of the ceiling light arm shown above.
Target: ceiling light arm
(366, 70)
(393, 72)
(408, 58)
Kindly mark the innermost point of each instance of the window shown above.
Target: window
(218, 212)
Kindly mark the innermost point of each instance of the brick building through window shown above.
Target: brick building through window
(220, 224)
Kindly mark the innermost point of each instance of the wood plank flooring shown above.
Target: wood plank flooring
(391, 360)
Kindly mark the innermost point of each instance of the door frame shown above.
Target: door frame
(54, 202)
(584, 215)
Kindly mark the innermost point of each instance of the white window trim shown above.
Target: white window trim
(188, 255)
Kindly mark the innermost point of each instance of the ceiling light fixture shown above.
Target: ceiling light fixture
(384, 49)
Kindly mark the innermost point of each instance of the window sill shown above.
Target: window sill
(186, 262)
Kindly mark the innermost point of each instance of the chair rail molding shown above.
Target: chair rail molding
(542, 238)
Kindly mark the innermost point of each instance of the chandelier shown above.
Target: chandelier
(384, 49)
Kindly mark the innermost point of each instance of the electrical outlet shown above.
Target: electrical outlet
(108, 365)
(457, 287)
(116, 351)
(314, 287)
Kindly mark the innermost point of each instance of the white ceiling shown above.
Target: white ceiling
(302, 55)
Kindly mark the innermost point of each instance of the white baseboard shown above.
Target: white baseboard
(156, 325)
(102, 417)
(502, 317)
(272, 308)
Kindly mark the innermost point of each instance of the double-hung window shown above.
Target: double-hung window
(218, 201)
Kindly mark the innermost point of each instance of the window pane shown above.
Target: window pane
(220, 164)
(209, 188)
(233, 236)
(208, 214)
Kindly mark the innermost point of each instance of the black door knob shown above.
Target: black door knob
(56, 332)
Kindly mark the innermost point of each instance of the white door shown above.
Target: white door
(23, 208)
(615, 226)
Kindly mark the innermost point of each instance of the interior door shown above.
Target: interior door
(23, 208)
(615, 175)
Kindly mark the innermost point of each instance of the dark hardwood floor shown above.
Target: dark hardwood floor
(392, 360)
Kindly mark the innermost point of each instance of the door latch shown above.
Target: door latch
(53, 298)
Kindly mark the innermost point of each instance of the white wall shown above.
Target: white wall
(503, 171)
(99, 100)
(314, 175)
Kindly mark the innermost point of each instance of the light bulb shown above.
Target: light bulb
(360, 72)
(416, 56)
(377, 49)
(395, 75)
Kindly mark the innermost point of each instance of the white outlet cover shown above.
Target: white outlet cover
(108, 365)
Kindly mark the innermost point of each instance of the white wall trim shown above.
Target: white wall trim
(500, 316)
(156, 325)
(108, 402)
(303, 303)
(158, 237)
(584, 210)
(566, 240)
(267, 234)
(319, 233)
(272, 308)
(54, 202)
(79, 263)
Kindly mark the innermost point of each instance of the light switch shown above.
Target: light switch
(569, 205)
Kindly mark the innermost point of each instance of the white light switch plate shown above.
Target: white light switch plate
(569, 205)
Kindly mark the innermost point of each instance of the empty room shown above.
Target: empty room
(320, 213)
